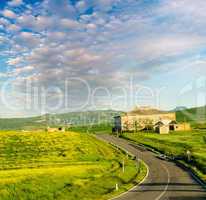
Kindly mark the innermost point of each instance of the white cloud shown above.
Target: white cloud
(105, 5)
(56, 36)
(3, 39)
(170, 45)
(81, 56)
(4, 22)
(26, 20)
(69, 24)
(27, 39)
(91, 26)
(3, 75)
(43, 22)
(15, 2)
(20, 70)
(61, 8)
(13, 28)
(9, 14)
(39, 23)
(186, 14)
(101, 47)
(81, 6)
(14, 61)
(186, 8)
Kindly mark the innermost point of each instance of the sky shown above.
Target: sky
(75, 55)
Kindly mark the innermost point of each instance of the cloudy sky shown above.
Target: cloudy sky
(69, 55)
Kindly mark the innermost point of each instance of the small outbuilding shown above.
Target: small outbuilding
(59, 129)
(164, 129)
(161, 128)
(174, 126)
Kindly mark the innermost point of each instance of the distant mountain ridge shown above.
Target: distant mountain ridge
(179, 108)
(146, 110)
(71, 118)
(192, 115)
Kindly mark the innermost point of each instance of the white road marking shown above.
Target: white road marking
(135, 185)
(168, 181)
(161, 195)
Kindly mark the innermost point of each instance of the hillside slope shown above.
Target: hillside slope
(196, 116)
(61, 166)
(74, 118)
(193, 115)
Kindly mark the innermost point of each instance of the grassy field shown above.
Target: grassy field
(177, 144)
(195, 116)
(94, 129)
(77, 119)
(62, 166)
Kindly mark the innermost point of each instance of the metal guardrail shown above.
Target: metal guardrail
(177, 162)
(118, 147)
(123, 150)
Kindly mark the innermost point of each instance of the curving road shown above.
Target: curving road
(166, 181)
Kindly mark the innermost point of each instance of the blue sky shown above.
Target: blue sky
(69, 55)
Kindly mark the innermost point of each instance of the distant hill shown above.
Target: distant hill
(146, 110)
(74, 118)
(21, 123)
(179, 108)
(195, 116)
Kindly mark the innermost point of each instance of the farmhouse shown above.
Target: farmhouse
(147, 118)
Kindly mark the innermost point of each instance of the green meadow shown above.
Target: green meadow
(62, 166)
(176, 144)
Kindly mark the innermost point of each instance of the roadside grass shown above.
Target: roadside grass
(176, 144)
(94, 128)
(62, 166)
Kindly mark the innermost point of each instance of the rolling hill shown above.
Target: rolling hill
(61, 166)
(74, 118)
(196, 116)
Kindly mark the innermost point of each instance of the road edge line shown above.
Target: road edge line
(142, 181)
(194, 175)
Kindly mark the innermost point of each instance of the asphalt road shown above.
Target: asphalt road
(166, 181)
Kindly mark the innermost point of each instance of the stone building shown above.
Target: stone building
(141, 118)
(146, 118)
